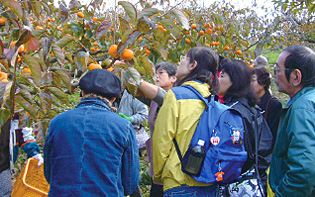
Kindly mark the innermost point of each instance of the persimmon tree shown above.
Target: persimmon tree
(62, 43)
(298, 21)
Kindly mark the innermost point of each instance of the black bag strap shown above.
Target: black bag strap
(261, 189)
(255, 115)
(178, 151)
(267, 106)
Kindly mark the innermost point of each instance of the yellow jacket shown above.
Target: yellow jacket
(178, 117)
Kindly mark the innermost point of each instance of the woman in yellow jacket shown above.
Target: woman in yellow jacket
(178, 118)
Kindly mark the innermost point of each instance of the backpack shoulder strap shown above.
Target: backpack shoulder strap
(267, 106)
(196, 92)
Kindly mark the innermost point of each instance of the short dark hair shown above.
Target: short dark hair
(302, 58)
(169, 67)
(263, 76)
(207, 65)
(241, 76)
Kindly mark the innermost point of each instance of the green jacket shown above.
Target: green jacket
(292, 170)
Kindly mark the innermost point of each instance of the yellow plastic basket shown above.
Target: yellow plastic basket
(31, 181)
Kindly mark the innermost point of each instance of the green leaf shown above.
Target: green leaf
(46, 7)
(63, 13)
(148, 66)
(4, 116)
(295, 11)
(36, 8)
(159, 35)
(126, 35)
(52, 113)
(14, 57)
(103, 28)
(64, 41)
(59, 94)
(45, 100)
(144, 25)
(148, 12)
(284, 7)
(22, 79)
(65, 78)
(132, 38)
(34, 64)
(15, 32)
(39, 32)
(56, 81)
(159, 49)
(47, 78)
(124, 24)
(130, 79)
(6, 88)
(26, 35)
(181, 18)
(59, 54)
(130, 10)
(69, 57)
(26, 105)
(26, 95)
(81, 60)
(15, 7)
(167, 23)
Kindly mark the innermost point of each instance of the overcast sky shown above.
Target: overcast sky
(206, 3)
(238, 3)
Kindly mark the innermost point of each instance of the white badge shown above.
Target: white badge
(215, 140)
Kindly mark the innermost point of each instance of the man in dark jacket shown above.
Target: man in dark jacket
(90, 150)
(292, 171)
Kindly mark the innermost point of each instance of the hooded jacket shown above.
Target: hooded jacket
(177, 118)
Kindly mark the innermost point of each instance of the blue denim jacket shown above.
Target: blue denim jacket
(91, 151)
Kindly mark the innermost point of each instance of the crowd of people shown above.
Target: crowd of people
(94, 149)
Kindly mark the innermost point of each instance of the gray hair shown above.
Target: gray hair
(260, 61)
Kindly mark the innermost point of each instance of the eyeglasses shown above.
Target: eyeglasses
(276, 69)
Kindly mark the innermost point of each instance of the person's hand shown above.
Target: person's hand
(125, 117)
(39, 158)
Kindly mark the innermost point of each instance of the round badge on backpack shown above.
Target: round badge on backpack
(215, 140)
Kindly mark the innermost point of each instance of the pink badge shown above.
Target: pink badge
(215, 140)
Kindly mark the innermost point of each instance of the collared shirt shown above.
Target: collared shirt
(292, 171)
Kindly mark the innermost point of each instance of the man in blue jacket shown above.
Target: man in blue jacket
(292, 170)
(90, 150)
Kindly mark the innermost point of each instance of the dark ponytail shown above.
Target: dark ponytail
(206, 69)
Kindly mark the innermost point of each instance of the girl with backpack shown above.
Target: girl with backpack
(178, 118)
(235, 86)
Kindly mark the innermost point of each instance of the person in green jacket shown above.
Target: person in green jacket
(292, 170)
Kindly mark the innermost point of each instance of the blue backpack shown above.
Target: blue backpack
(217, 145)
